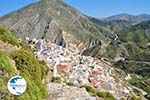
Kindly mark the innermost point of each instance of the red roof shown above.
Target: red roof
(94, 82)
(62, 65)
(49, 45)
(96, 72)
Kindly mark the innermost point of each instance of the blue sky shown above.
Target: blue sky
(96, 8)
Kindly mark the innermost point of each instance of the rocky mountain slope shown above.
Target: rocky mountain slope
(55, 21)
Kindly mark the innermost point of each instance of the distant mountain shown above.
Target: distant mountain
(139, 33)
(130, 18)
(112, 25)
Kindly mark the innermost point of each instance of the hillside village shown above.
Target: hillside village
(78, 69)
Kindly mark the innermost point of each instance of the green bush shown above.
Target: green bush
(56, 80)
(33, 72)
(26, 64)
(1, 82)
(4, 30)
(5, 64)
(8, 71)
(44, 69)
(93, 92)
(108, 99)
(134, 97)
(109, 95)
(25, 60)
(70, 84)
(7, 35)
(123, 98)
(101, 94)
(90, 89)
(9, 39)
(105, 95)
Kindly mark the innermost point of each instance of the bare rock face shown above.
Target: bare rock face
(63, 92)
(48, 19)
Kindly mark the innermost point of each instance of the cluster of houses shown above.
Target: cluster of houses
(76, 68)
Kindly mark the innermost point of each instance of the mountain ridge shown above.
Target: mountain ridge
(129, 17)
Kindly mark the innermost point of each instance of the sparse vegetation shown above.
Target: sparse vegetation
(56, 80)
(5, 64)
(93, 92)
(69, 84)
(9, 39)
(32, 71)
(27, 66)
(7, 36)
(89, 89)
(141, 82)
(105, 95)
(134, 97)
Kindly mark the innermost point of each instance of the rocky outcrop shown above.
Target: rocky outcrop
(63, 92)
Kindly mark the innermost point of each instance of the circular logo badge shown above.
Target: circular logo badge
(17, 85)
